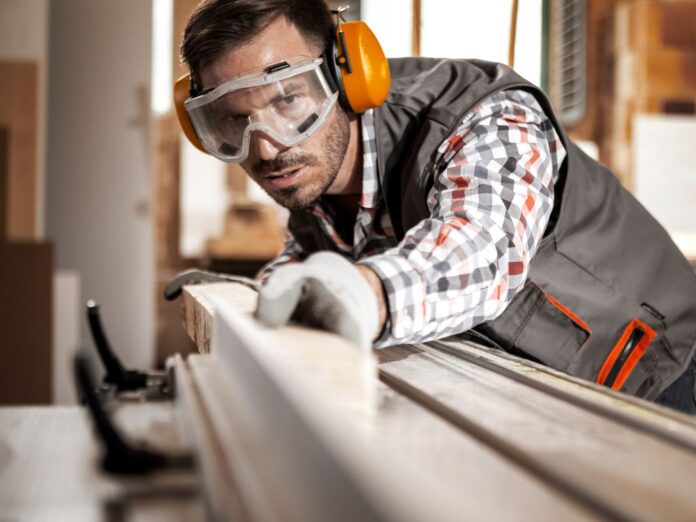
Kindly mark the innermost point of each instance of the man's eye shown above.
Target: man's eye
(234, 118)
(289, 100)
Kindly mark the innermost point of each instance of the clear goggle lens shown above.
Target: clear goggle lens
(288, 104)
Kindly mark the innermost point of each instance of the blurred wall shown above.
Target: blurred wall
(99, 189)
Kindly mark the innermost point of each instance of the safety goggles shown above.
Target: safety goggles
(288, 103)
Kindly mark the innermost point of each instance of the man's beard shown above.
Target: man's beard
(308, 190)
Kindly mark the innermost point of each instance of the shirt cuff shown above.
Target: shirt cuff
(406, 294)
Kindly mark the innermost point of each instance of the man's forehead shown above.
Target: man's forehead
(226, 72)
(279, 42)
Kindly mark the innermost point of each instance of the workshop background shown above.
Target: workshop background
(101, 198)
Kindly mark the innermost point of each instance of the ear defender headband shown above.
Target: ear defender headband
(182, 92)
(354, 65)
(356, 62)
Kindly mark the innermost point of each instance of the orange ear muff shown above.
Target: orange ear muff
(363, 67)
(182, 88)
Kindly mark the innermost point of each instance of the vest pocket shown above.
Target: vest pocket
(553, 334)
(539, 327)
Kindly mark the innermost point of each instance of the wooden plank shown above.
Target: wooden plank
(665, 423)
(212, 453)
(243, 455)
(355, 391)
(416, 13)
(4, 167)
(347, 376)
(616, 470)
(198, 322)
(18, 113)
(492, 486)
(438, 451)
(26, 278)
(611, 454)
(325, 468)
(199, 310)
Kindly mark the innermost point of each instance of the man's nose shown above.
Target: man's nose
(266, 148)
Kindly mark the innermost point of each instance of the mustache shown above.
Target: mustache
(264, 167)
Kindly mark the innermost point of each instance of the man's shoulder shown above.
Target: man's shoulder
(413, 66)
(450, 85)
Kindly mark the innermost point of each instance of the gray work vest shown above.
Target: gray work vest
(608, 297)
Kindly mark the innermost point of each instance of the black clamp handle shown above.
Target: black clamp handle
(120, 457)
(155, 384)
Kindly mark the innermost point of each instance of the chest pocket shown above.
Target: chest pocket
(537, 326)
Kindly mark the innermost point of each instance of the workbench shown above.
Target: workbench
(469, 432)
(49, 467)
(297, 424)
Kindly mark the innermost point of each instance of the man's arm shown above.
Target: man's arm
(376, 285)
(490, 204)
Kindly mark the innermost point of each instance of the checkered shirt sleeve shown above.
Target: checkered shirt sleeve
(489, 206)
(292, 252)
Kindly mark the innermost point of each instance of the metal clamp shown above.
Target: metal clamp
(155, 385)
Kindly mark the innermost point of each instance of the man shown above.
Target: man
(457, 204)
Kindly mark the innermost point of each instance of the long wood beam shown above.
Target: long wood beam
(586, 451)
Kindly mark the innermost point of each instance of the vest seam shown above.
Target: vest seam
(662, 384)
(668, 345)
(529, 315)
(587, 271)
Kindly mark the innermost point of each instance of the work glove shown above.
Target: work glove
(325, 291)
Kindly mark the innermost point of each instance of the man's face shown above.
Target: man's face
(293, 176)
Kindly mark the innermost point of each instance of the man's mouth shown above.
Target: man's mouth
(286, 177)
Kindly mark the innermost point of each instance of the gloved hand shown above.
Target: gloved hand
(326, 291)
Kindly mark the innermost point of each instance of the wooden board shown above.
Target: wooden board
(4, 168)
(232, 457)
(641, 415)
(424, 443)
(18, 113)
(212, 453)
(571, 443)
(26, 279)
(618, 471)
(492, 487)
(199, 310)
(169, 337)
(309, 423)
(289, 434)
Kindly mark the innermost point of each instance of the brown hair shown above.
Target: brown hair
(216, 26)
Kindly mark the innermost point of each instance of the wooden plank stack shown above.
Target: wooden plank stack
(251, 232)
(300, 428)
(26, 278)
(654, 69)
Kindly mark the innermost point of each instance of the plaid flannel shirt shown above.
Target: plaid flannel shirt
(489, 206)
